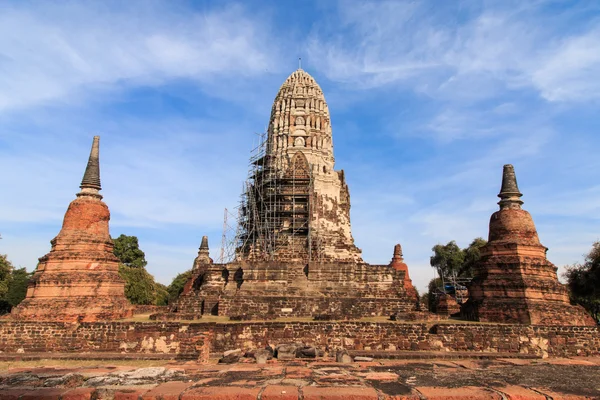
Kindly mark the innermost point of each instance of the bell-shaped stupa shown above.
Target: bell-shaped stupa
(79, 279)
(514, 282)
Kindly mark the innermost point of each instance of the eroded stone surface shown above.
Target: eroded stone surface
(79, 280)
(401, 379)
(296, 255)
(514, 282)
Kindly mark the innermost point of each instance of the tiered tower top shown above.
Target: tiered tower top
(300, 120)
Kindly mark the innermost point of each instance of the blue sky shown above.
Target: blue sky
(428, 100)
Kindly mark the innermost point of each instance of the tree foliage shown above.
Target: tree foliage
(162, 295)
(17, 288)
(472, 256)
(451, 260)
(447, 259)
(6, 269)
(127, 249)
(584, 281)
(140, 287)
(13, 284)
(176, 287)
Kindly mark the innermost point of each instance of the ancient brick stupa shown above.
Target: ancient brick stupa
(399, 265)
(79, 280)
(295, 252)
(514, 282)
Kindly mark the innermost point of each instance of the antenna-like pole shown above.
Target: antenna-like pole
(299, 62)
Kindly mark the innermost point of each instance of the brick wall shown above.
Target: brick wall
(389, 336)
(195, 340)
(182, 341)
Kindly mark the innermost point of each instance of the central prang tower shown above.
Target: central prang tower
(296, 207)
(294, 251)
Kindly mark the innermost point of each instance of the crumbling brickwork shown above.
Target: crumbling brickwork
(514, 282)
(198, 340)
(268, 290)
(79, 280)
(179, 340)
(297, 207)
(296, 256)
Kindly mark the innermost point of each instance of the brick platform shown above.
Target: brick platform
(524, 379)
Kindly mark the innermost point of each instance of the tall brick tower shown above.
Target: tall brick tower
(297, 207)
(514, 282)
(295, 254)
(79, 280)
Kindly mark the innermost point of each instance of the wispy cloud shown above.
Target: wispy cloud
(461, 50)
(59, 52)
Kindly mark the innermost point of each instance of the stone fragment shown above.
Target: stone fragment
(143, 373)
(70, 380)
(307, 352)
(230, 352)
(286, 351)
(103, 381)
(361, 358)
(343, 357)
(262, 355)
(231, 356)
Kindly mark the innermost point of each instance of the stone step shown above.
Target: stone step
(446, 355)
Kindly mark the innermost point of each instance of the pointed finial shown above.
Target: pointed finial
(509, 193)
(203, 254)
(90, 184)
(299, 62)
(204, 243)
(398, 251)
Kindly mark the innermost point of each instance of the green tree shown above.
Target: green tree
(127, 249)
(6, 269)
(451, 260)
(584, 281)
(447, 259)
(162, 295)
(176, 287)
(140, 287)
(472, 256)
(432, 291)
(17, 288)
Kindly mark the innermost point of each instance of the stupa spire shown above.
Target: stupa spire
(203, 254)
(90, 184)
(510, 197)
(204, 243)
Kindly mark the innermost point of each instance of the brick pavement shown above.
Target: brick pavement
(523, 379)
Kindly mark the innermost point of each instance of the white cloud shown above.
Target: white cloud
(460, 53)
(571, 70)
(58, 52)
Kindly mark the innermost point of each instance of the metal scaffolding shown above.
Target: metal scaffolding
(275, 207)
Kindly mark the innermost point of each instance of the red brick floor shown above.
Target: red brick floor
(512, 379)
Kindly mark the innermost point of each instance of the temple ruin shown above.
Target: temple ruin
(78, 280)
(294, 250)
(514, 282)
